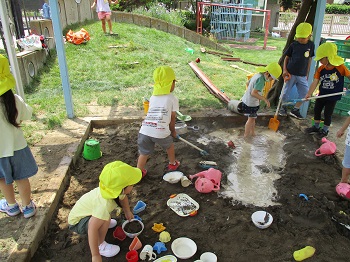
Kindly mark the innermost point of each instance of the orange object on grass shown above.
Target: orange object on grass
(77, 38)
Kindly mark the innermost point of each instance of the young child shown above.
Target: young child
(91, 213)
(297, 64)
(16, 160)
(330, 78)
(251, 98)
(159, 124)
(104, 13)
(346, 159)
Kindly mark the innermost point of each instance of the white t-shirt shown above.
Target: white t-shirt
(156, 123)
(12, 138)
(347, 140)
(102, 6)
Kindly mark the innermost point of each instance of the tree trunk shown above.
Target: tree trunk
(306, 14)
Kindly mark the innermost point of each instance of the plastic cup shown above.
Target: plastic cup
(145, 107)
(132, 256)
(147, 252)
(140, 206)
(135, 244)
(185, 182)
(119, 233)
(208, 257)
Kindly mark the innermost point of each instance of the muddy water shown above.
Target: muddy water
(254, 167)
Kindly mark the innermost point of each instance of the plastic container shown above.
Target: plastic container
(92, 150)
(184, 247)
(145, 107)
(119, 233)
(139, 207)
(132, 234)
(189, 50)
(262, 219)
(208, 257)
(132, 256)
(135, 244)
(173, 177)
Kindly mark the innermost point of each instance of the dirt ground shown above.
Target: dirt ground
(221, 226)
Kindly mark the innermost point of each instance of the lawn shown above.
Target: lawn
(118, 71)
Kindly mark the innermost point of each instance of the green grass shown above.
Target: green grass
(123, 75)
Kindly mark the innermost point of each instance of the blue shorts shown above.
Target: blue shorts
(301, 85)
(19, 166)
(146, 143)
(346, 160)
(250, 111)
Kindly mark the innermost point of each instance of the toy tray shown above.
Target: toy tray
(183, 205)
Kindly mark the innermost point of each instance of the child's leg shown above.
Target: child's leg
(249, 127)
(171, 154)
(141, 161)
(108, 18)
(328, 112)
(24, 190)
(302, 88)
(7, 191)
(346, 165)
(103, 25)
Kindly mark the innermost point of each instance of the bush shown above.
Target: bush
(337, 9)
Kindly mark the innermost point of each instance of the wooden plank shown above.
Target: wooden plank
(209, 85)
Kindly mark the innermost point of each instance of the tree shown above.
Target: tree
(306, 14)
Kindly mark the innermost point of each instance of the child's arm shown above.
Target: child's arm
(94, 225)
(312, 88)
(285, 63)
(255, 93)
(126, 208)
(113, 2)
(172, 124)
(93, 4)
(341, 131)
(308, 68)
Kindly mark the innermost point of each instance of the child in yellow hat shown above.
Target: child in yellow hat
(17, 163)
(330, 78)
(159, 124)
(296, 64)
(252, 96)
(91, 213)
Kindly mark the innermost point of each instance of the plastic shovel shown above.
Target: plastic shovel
(183, 117)
(316, 97)
(203, 152)
(274, 123)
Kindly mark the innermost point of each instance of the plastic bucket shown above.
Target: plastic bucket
(92, 150)
(145, 107)
(235, 106)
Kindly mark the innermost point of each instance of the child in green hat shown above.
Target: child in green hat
(296, 64)
(91, 213)
(330, 79)
(159, 124)
(252, 96)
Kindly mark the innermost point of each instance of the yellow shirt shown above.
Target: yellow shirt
(91, 204)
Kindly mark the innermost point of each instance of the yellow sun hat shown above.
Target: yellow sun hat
(163, 79)
(7, 81)
(115, 176)
(303, 30)
(329, 50)
(273, 68)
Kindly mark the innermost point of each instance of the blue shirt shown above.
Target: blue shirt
(299, 55)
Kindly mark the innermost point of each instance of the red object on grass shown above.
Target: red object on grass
(198, 60)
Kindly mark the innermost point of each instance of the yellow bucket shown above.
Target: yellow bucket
(145, 106)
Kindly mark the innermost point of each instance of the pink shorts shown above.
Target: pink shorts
(103, 15)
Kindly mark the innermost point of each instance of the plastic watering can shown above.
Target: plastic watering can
(343, 190)
(212, 174)
(327, 148)
(205, 185)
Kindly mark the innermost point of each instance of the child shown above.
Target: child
(159, 124)
(16, 160)
(91, 213)
(297, 64)
(251, 98)
(346, 160)
(104, 13)
(330, 75)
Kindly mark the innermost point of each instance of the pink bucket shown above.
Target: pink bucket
(327, 148)
(212, 174)
(343, 190)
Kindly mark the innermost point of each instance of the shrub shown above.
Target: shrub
(337, 9)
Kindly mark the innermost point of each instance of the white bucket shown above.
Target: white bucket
(235, 106)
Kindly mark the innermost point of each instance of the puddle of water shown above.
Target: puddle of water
(254, 165)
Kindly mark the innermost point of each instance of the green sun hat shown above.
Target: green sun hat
(7, 81)
(329, 50)
(303, 30)
(163, 79)
(273, 68)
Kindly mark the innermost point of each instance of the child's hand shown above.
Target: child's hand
(307, 96)
(267, 103)
(128, 215)
(340, 133)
